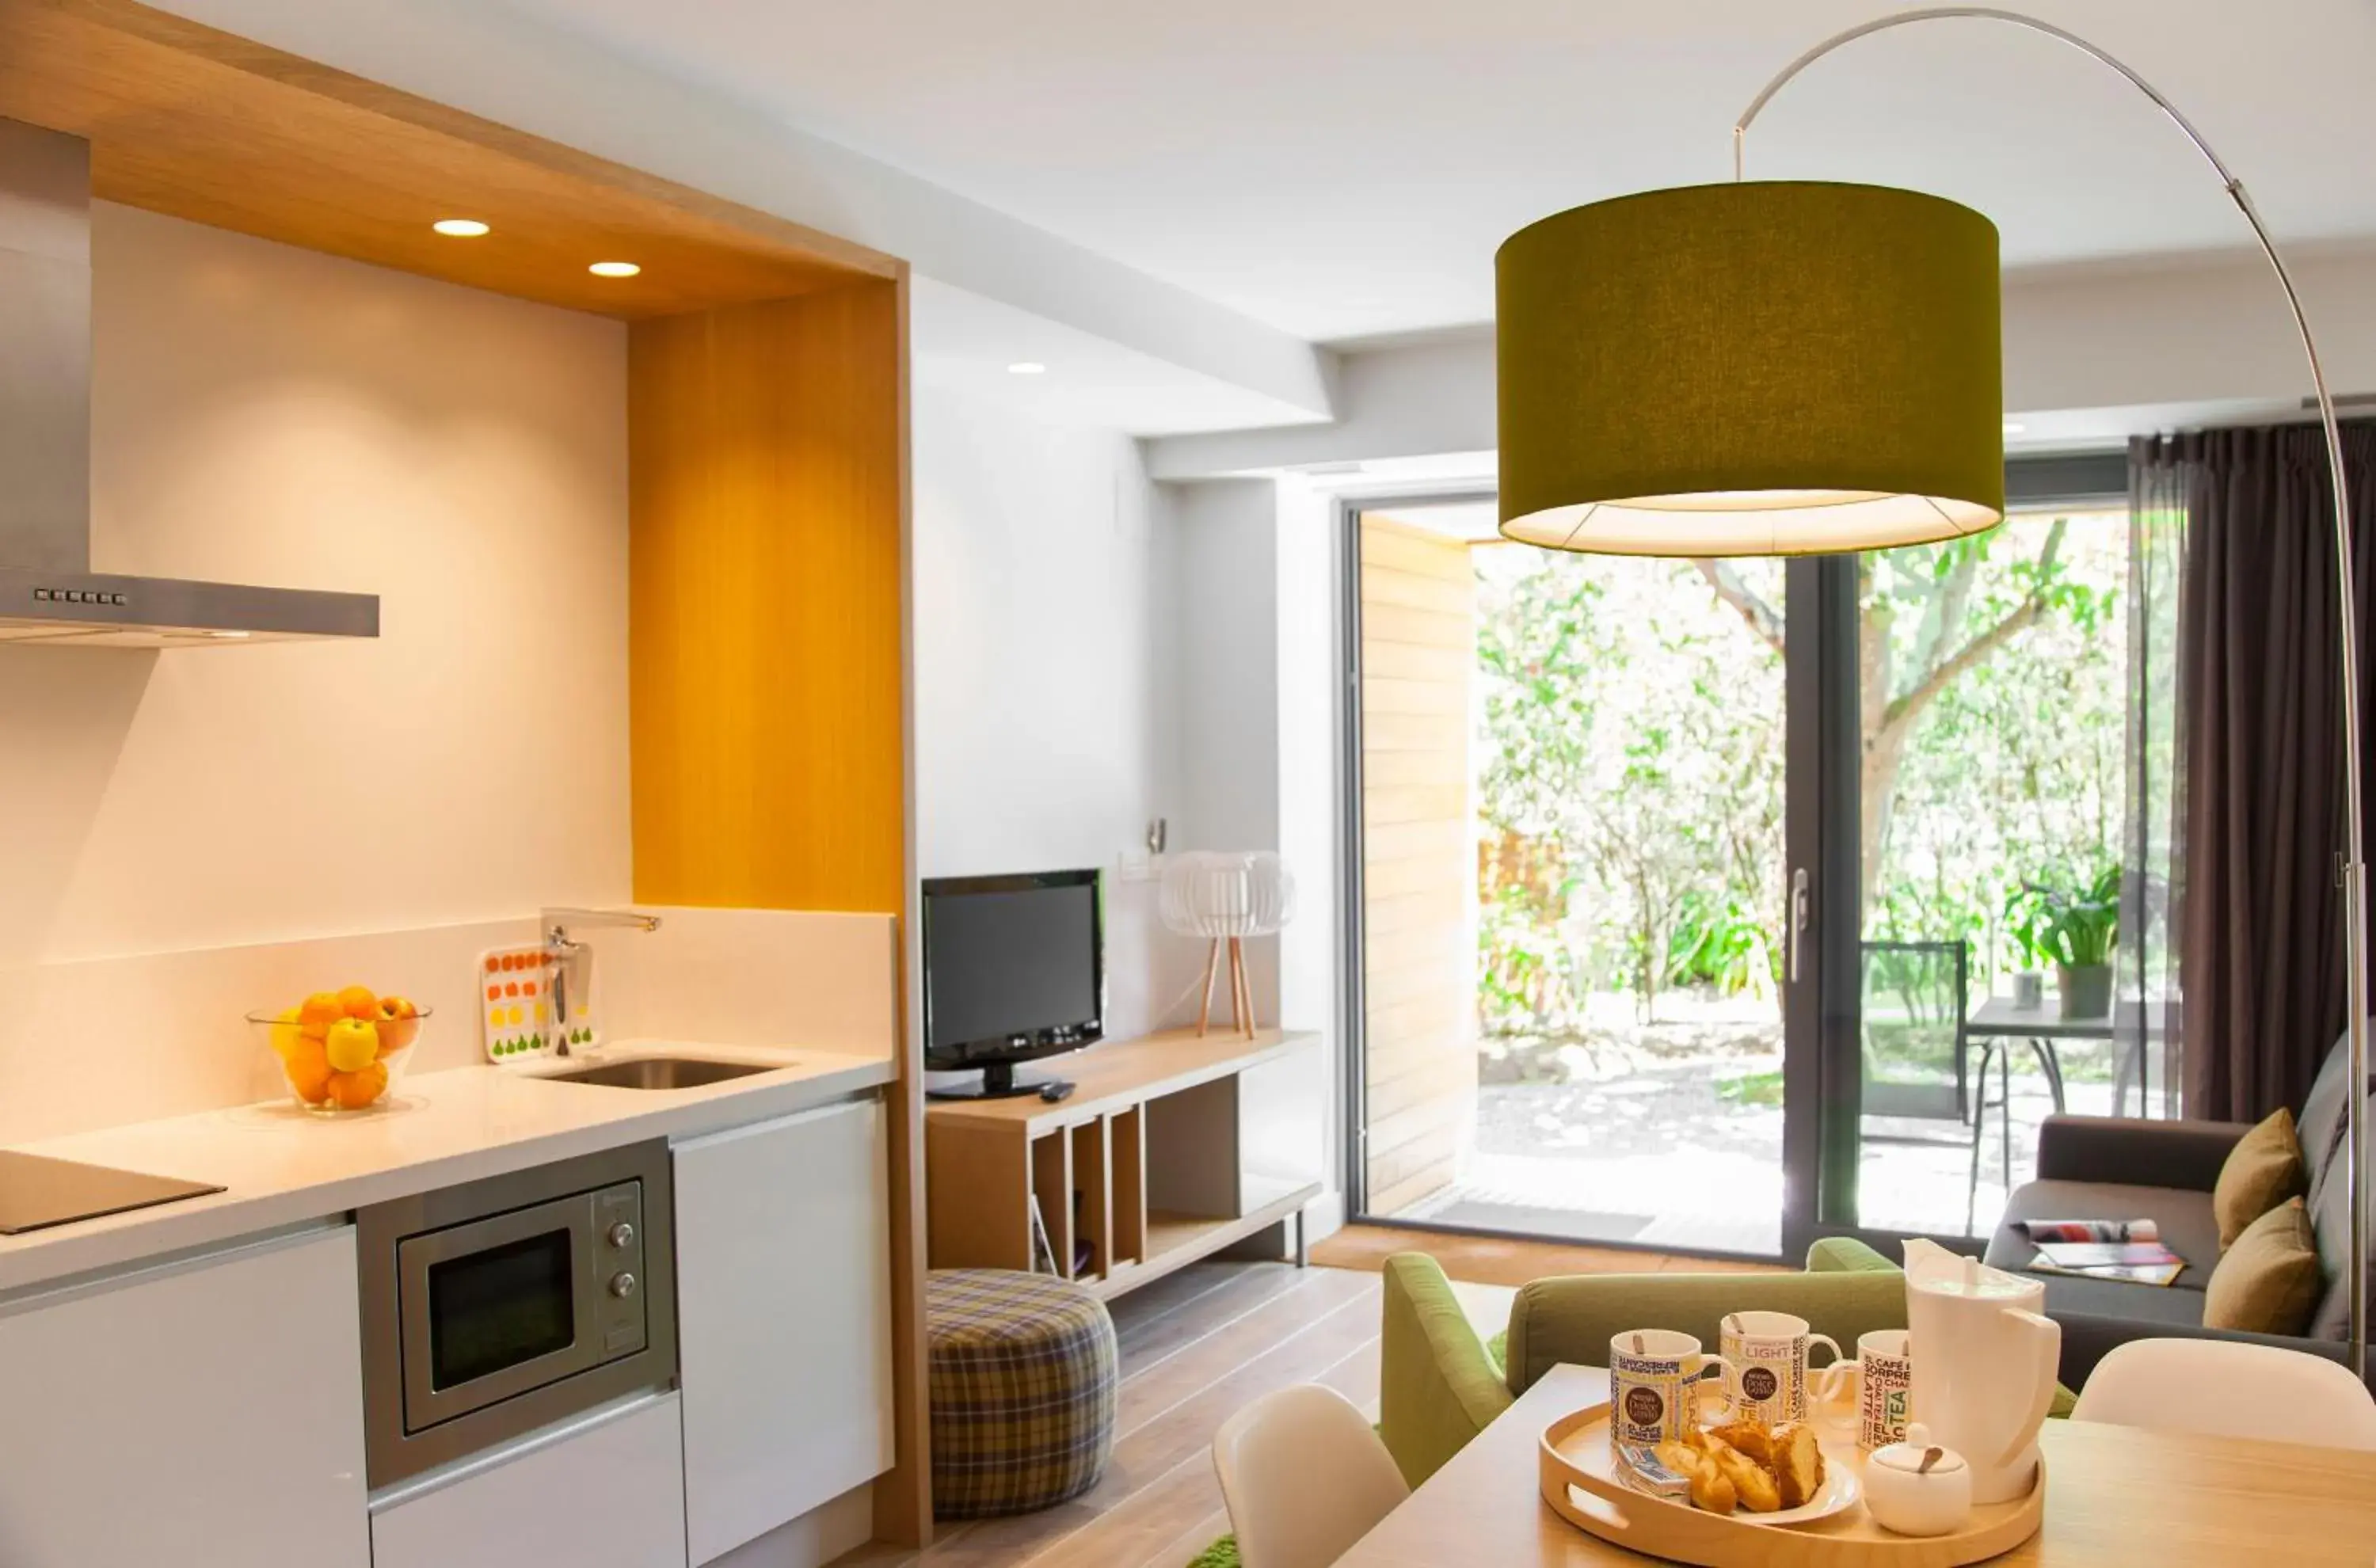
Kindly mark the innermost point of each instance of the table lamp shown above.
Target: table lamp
(1226, 897)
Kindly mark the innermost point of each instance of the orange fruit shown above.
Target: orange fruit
(321, 1010)
(352, 1091)
(307, 1066)
(359, 1001)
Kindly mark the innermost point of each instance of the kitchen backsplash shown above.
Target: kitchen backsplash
(106, 1042)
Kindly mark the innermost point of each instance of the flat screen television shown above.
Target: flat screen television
(1013, 971)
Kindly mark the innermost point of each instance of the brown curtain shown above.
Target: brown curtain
(2259, 918)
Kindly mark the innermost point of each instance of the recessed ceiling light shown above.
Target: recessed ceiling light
(459, 228)
(1027, 367)
(228, 635)
(2014, 427)
(614, 270)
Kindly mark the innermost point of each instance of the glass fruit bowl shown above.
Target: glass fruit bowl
(342, 1050)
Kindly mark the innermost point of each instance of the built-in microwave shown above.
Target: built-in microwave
(493, 1309)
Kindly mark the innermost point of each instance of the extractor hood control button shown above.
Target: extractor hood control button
(623, 1234)
(622, 1285)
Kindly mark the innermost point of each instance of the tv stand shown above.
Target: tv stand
(999, 1081)
(1171, 1148)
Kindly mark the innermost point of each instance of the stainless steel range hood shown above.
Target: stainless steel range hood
(48, 592)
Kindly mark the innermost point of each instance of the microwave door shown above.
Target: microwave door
(496, 1307)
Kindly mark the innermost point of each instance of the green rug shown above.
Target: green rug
(1223, 1553)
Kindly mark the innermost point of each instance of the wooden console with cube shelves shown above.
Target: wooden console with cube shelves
(1169, 1150)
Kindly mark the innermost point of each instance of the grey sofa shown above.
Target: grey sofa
(2106, 1167)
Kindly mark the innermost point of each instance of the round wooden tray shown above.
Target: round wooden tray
(1584, 1481)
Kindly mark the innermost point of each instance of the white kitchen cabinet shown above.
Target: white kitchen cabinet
(207, 1412)
(784, 1319)
(606, 1491)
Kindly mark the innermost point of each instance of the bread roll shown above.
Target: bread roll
(1712, 1491)
(1751, 1437)
(1750, 1483)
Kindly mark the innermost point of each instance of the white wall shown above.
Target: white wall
(1094, 650)
(1041, 675)
(1256, 587)
(266, 414)
(1223, 768)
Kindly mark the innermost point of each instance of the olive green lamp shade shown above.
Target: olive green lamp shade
(1762, 368)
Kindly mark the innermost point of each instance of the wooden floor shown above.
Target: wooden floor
(1198, 1345)
(1487, 1260)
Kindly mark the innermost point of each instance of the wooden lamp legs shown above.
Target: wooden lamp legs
(1241, 988)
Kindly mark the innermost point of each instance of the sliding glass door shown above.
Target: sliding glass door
(1713, 906)
(1993, 737)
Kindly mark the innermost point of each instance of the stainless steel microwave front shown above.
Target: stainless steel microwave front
(495, 1308)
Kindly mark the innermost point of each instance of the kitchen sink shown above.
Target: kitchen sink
(659, 1073)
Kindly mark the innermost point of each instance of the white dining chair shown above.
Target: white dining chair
(2230, 1389)
(1305, 1477)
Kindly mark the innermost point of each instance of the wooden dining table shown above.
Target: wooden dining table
(2116, 1497)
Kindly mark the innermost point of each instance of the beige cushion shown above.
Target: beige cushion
(2268, 1281)
(2263, 1170)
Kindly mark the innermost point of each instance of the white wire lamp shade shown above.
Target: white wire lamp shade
(1226, 897)
(1215, 894)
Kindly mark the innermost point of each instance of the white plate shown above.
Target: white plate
(1840, 1490)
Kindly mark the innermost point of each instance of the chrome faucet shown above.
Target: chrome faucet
(572, 957)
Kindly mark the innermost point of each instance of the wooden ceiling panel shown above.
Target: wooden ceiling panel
(201, 124)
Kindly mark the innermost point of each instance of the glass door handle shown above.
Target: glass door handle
(1799, 904)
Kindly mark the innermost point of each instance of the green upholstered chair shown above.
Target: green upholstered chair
(1439, 1387)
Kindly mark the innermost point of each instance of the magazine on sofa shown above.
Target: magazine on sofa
(2145, 1263)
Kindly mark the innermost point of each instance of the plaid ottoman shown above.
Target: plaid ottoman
(1024, 1371)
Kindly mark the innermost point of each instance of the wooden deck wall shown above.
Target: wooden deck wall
(1419, 646)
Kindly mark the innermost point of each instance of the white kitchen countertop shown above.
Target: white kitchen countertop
(281, 1165)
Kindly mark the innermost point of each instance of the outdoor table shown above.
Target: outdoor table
(1998, 1018)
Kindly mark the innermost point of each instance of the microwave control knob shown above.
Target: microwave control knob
(622, 1285)
(623, 1234)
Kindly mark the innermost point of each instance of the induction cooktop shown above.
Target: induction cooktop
(37, 1191)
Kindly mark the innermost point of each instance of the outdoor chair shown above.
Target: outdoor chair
(1918, 1051)
(1916, 1055)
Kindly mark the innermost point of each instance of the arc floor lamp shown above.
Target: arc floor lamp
(1782, 368)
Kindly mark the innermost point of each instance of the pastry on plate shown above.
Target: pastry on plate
(1751, 1482)
(1797, 1464)
(1750, 1435)
(1709, 1490)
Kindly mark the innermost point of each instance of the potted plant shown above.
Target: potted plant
(2076, 929)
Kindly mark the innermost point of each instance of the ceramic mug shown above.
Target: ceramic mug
(1654, 1387)
(1883, 1378)
(1765, 1365)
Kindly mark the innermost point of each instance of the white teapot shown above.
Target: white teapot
(1985, 1357)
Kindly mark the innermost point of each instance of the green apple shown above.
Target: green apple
(353, 1045)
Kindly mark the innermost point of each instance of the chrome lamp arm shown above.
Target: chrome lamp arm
(2355, 868)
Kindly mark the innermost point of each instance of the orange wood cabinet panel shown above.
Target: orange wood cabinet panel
(202, 125)
(763, 603)
(767, 462)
